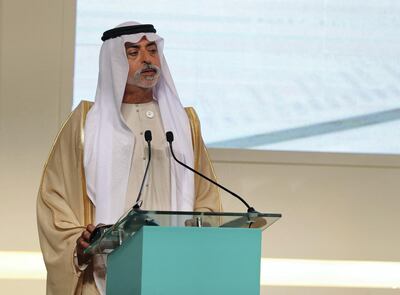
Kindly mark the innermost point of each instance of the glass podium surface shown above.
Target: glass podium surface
(110, 237)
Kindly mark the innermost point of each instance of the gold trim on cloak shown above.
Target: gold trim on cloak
(88, 207)
(198, 144)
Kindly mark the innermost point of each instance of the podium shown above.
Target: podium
(163, 252)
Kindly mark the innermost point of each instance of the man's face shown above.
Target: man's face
(144, 63)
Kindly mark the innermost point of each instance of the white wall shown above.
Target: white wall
(334, 206)
(339, 206)
(36, 58)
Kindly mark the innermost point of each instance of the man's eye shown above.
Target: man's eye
(153, 50)
(132, 53)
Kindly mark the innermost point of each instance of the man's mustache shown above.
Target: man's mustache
(150, 67)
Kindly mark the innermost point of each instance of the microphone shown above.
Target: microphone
(170, 139)
(147, 138)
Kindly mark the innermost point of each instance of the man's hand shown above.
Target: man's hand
(82, 243)
(194, 222)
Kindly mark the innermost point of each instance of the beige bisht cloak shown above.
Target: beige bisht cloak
(64, 209)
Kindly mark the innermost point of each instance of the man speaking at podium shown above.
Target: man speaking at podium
(97, 163)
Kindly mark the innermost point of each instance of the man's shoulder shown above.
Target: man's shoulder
(189, 108)
(79, 113)
(83, 107)
(74, 124)
(192, 115)
(194, 125)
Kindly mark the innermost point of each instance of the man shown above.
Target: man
(93, 173)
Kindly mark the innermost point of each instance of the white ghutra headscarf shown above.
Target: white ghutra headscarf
(109, 143)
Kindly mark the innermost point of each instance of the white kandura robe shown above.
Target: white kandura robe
(156, 193)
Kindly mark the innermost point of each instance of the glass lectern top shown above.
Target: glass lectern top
(112, 236)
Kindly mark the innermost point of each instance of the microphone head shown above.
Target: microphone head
(147, 135)
(170, 136)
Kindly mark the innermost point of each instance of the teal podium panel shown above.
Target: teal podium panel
(186, 260)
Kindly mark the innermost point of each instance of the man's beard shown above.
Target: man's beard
(144, 81)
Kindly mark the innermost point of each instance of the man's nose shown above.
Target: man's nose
(146, 59)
